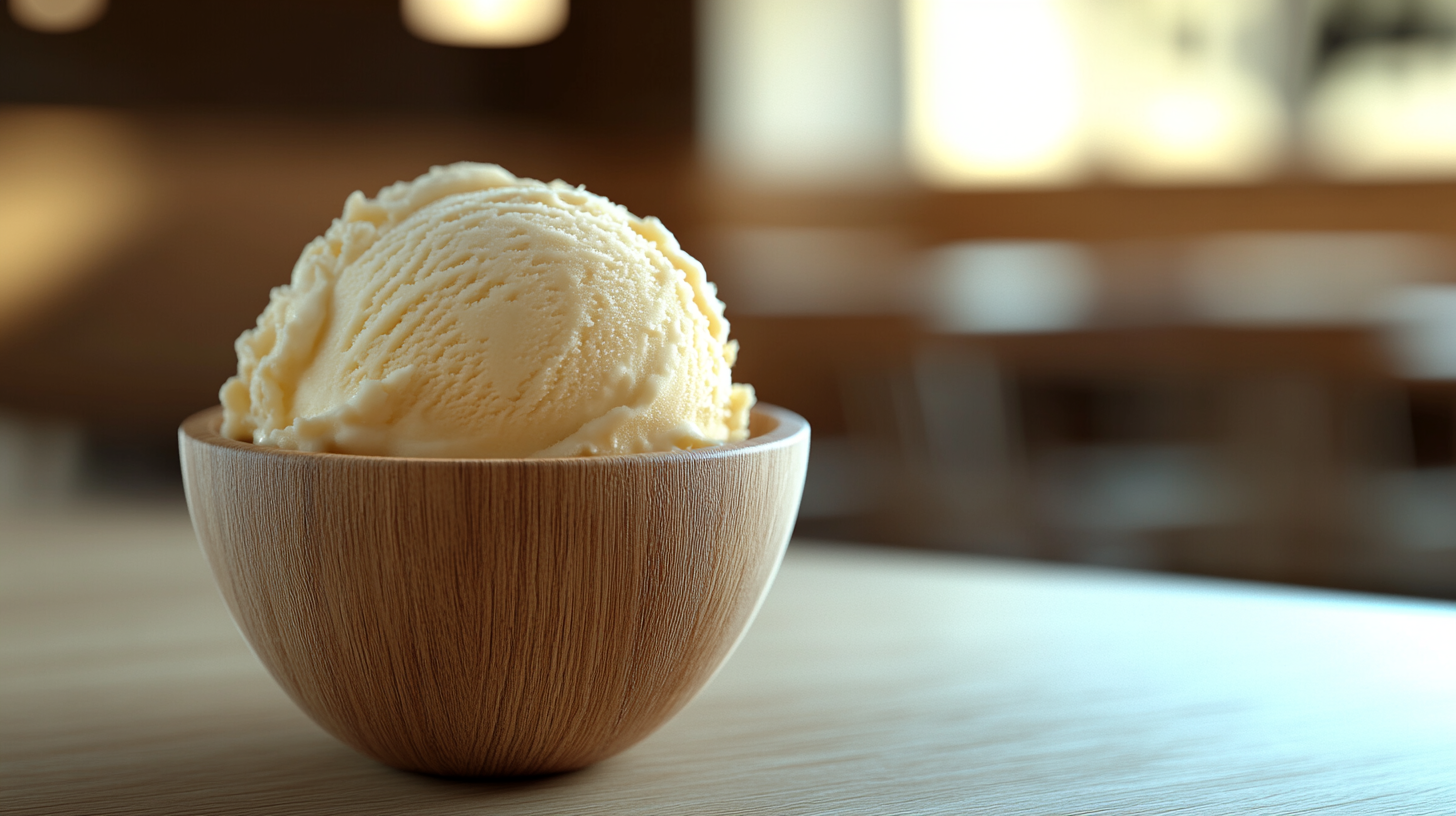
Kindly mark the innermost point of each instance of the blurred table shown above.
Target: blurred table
(874, 681)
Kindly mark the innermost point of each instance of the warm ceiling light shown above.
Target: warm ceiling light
(484, 23)
(1386, 113)
(776, 112)
(1186, 90)
(995, 97)
(56, 16)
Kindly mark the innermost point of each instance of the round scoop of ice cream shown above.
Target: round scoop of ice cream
(470, 313)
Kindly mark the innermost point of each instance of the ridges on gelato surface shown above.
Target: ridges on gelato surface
(469, 313)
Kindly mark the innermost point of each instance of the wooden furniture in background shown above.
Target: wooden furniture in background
(1096, 213)
(805, 361)
(1280, 454)
(874, 681)
(472, 617)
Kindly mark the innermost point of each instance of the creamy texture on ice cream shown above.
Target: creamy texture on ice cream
(469, 313)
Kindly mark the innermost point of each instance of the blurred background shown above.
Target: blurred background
(1157, 284)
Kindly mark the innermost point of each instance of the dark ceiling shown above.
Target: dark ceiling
(623, 65)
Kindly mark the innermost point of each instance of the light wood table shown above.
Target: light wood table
(874, 681)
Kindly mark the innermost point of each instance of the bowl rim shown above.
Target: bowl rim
(789, 429)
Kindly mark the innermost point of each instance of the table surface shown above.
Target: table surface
(874, 681)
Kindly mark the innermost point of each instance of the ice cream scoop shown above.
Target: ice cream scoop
(473, 314)
(504, 605)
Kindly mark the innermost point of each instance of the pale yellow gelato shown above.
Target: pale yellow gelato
(469, 313)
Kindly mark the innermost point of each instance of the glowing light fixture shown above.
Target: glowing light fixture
(801, 91)
(485, 23)
(1386, 113)
(57, 16)
(1210, 129)
(1185, 89)
(994, 94)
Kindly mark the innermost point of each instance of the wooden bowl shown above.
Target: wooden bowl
(490, 617)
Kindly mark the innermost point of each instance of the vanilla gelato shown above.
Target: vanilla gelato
(469, 313)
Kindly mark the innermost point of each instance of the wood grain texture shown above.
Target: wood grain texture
(494, 617)
(874, 681)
